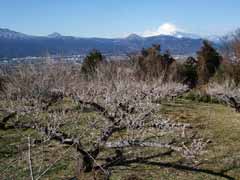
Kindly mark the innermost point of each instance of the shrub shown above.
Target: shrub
(91, 62)
(188, 72)
(201, 97)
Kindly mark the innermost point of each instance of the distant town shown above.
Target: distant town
(70, 58)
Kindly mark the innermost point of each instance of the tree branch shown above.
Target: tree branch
(136, 143)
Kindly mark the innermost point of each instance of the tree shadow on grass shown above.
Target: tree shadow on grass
(177, 166)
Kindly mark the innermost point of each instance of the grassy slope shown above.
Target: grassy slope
(216, 122)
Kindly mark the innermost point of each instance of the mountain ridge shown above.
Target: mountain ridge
(16, 44)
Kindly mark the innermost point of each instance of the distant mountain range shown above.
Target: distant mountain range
(15, 44)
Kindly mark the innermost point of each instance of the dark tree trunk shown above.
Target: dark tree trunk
(235, 104)
(87, 164)
(86, 160)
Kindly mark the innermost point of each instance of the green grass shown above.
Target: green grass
(215, 122)
(218, 123)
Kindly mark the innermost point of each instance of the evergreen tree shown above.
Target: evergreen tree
(188, 73)
(208, 62)
(91, 62)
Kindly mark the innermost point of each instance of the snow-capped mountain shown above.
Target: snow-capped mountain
(214, 38)
(15, 44)
(179, 34)
(55, 35)
(134, 37)
(9, 34)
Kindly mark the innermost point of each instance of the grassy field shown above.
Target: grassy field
(218, 123)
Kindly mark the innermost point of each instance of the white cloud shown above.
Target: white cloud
(164, 29)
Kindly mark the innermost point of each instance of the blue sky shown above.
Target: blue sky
(117, 18)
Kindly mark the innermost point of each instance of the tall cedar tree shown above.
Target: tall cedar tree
(208, 62)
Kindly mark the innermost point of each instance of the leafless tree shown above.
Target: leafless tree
(226, 92)
(127, 114)
(231, 47)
